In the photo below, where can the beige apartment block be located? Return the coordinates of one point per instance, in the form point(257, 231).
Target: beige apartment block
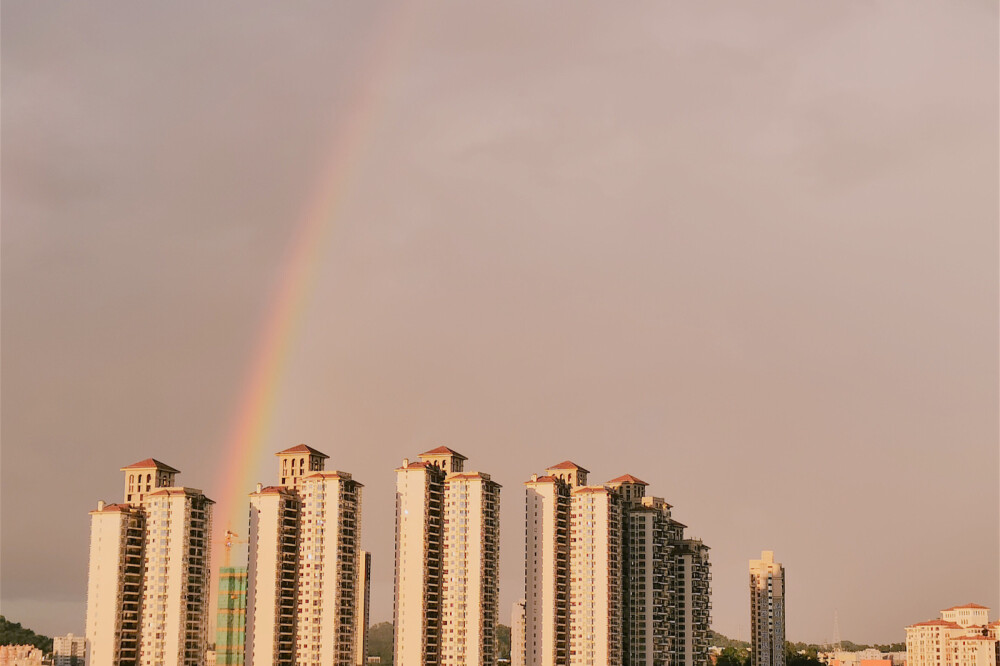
point(447, 559)
point(962, 636)
point(175, 596)
point(147, 587)
point(546, 590)
point(609, 576)
point(69, 650)
point(307, 587)
point(767, 611)
point(272, 583)
point(596, 586)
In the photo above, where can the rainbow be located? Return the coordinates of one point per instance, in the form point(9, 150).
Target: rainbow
point(251, 424)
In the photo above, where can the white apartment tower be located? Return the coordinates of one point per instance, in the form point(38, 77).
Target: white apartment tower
point(147, 588)
point(447, 563)
point(307, 577)
point(606, 576)
point(546, 572)
point(767, 611)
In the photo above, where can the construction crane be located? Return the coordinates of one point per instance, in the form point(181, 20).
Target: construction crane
point(229, 541)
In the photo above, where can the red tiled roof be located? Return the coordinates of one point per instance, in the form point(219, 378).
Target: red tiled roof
point(115, 507)
point(168, 492)
point(416, 465)
point(443, 451)
point(937, 623)
point(151, 463)
point(628, 478)
point(568, 464)
point(302, 448)
point(542, 479)
point(272, 490)
point(968, 606)
point(335, 474)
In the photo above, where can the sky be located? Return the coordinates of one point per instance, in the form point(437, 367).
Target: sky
point(746, 252)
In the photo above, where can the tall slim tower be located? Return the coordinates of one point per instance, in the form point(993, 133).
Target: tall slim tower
point(307, 575)
point(447, 562)
point(147, 589)
point(596, 591)
point(767, 611)
point(546, 572)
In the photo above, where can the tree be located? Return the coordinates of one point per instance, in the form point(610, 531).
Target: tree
point(12, 633)
point(503, 641)
point(733, 656)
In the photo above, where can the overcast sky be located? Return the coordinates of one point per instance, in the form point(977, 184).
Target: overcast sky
point(745, 251)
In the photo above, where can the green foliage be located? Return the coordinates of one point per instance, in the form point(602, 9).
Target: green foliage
point(794, 655)
point(890, 647)
point(12, 633)
point(503, 641)
point(380, 641)
point(734, 656)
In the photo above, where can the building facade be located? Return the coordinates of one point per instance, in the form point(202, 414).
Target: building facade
point(307, 577)
point(447, 563)
point(20, 655)
point(231, 616)
point(69, 650)
point(609, 577)
point(517, 633)
point(147, 587)
point(961, 636)
point(767, 611)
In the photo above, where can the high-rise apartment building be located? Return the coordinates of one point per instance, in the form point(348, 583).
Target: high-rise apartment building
point(767, 611)
point(596, 589)
point(447, 563)
point(307, 577)
point(607, 576)
point(962, 636)
point(69, 650)
point(147, 588)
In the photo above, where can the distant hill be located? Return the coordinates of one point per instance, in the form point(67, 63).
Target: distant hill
point(12, 633)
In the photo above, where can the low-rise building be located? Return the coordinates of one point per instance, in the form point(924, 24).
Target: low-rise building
point(69, 650)
point(962, 636)
point(20, 655)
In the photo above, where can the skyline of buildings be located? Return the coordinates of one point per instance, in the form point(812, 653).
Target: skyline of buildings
point(609, 577)
point(767, 611)
point(147, 589)
point(608, 571)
